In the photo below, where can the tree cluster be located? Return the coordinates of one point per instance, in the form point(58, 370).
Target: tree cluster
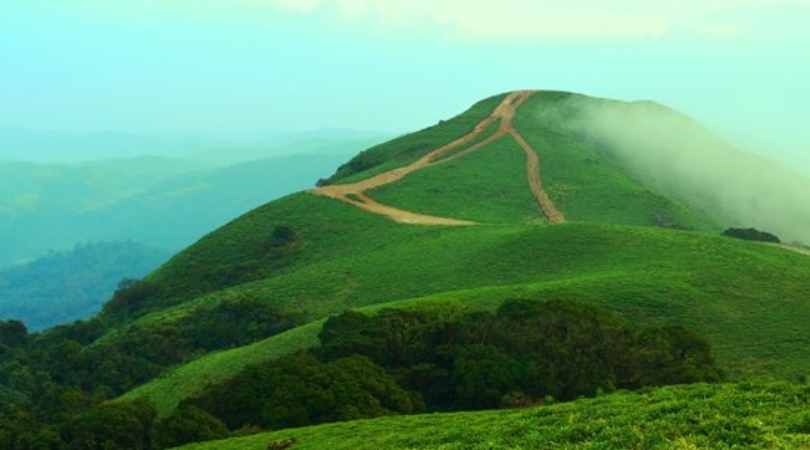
point(752, 234)
point(400, 362)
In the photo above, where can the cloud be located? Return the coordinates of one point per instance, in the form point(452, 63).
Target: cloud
point(568, 19)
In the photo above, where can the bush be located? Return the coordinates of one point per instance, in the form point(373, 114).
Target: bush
point(13, 333)
point(300, 390)
point(752, 234)
point(187, 425)
point(118, 426)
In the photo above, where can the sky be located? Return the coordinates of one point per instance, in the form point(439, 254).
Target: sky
point(225, 68)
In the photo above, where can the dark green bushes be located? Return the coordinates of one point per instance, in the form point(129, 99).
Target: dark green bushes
point(752, 234)
point(399, 362)
point(187, 425)
point(300, 390)
point(112, 426)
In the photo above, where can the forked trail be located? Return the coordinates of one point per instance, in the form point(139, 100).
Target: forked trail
point(355, 193)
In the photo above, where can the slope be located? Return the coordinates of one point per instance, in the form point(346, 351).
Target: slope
point(745, 415)
point(307, 256)
point(721, 288)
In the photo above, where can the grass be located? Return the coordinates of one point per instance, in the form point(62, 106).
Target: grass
point(716, 417)
point(586, 182)
point(750, 300)
point(410, 147)
point(486, 186)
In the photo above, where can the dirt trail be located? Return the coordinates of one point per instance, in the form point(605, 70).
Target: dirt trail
point(354, 193)
point(553, 215)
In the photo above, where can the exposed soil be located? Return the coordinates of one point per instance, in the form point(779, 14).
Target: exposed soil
point(354, 193)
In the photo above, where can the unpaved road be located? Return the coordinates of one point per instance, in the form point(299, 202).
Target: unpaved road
point(551, 212)
point(354, 193)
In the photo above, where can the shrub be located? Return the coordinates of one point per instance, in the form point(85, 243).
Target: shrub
point(13, 333)
point(187, 425)
point(751, 234)
point(118, 426)
point(300, 390)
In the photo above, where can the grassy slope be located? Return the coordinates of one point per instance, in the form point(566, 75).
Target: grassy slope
point(487, 186)
point(410, 147)
point(699, 416)
point(198, 270)
point(747, 298)
point(720, 287)
point(585, 182)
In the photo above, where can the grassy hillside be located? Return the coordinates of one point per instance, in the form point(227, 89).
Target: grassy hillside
point(648, 275)
point(488, 186)
point(745, 415)
point(405, 149)
point(343, 257)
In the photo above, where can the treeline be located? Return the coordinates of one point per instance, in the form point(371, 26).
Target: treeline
point(400, 362)
point(46, 379)
point(395, 362)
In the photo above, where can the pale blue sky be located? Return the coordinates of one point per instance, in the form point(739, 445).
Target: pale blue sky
point(231, 67)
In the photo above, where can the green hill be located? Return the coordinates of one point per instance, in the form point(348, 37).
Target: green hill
point(343, 257)
point(528, 195)
point(745, 415)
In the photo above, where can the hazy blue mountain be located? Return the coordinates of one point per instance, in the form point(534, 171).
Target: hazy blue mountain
point(67, 286)
point(167, 202)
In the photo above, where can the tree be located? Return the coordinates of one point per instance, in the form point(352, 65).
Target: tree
point(13, 333)
point(188, 424)
point(114, 426)
point(752, 234)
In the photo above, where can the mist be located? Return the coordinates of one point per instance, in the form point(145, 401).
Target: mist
point(738, 185)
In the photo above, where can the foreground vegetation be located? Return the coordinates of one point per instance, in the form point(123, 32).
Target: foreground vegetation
point(711, 417)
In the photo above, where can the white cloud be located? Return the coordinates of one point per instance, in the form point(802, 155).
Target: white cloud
point(537, 18)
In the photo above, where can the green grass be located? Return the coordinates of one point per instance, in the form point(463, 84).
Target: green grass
point(410, 147)
point(750, 300)
point(716, 417)
point(486, 186)
point(585, 181)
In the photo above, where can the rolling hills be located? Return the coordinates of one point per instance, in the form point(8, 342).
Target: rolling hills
point(534, 195)
point(67, 286)
point(672, 270)
point(161, 201)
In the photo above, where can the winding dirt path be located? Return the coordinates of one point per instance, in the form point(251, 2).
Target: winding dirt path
point(355, 193)
point(551, 212)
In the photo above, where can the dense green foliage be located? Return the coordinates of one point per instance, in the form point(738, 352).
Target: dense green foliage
point(300, 390)
point(697, 417)
point(751, 234)
point(108, 426)
point(525, 353)
point(67, 286)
